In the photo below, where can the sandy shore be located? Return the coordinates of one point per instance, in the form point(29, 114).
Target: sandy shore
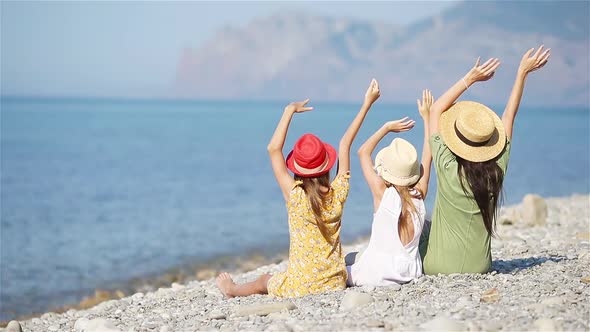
point(540, 281)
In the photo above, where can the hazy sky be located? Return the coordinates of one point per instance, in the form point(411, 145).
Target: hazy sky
point(131, 48)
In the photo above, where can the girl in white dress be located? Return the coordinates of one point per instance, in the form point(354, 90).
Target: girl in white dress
point(399, 185)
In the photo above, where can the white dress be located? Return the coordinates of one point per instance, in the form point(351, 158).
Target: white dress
point(386, 260)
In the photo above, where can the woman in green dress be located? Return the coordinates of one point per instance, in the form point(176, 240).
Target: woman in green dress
point(470, 148)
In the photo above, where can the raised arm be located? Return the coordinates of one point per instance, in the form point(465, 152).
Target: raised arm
point(527, 65)
point(424, 109)
point(375, 182)
point(275, 147)
point(371, 96)
point(478, 73)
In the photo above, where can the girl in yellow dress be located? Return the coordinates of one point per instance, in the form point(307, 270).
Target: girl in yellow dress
point(314, 206)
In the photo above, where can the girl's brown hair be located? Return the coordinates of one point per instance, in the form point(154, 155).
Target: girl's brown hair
point(312, 186)
point(405, 226)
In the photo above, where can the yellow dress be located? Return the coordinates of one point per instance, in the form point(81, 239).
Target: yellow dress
point(315, 265)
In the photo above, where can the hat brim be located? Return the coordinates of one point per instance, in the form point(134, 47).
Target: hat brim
point(494, 146)
point(332, 157)
point(398, 181)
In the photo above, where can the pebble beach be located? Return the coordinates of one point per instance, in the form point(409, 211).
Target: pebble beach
point(540, 280)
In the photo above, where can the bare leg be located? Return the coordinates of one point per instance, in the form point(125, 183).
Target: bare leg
point(230, 289)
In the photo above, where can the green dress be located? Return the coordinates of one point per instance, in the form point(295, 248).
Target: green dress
point(458, 241)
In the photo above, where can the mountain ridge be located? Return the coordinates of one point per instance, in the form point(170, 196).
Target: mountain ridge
point(293, 54)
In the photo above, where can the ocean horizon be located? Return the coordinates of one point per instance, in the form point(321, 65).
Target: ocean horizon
point(98, 192)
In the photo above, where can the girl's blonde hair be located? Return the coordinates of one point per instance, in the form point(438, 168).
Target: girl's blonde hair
point(312, 186)
point(405, 226)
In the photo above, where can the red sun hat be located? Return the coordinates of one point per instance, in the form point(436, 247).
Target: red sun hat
point(311, 157)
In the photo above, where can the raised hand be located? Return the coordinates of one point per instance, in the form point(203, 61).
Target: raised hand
point(530, 63)
point(373, 92)
point(482, 72)
point(298, 106)
point(400, 125)
point(424, 106)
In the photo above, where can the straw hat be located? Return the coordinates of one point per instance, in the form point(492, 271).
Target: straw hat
point(473, 131)
point(398, 163)
point(311, 157)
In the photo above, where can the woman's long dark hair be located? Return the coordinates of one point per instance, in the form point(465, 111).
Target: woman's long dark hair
point(485, 180)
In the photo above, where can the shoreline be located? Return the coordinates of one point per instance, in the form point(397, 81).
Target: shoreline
point(178, 274)
point(511, 231)
point(181, 274)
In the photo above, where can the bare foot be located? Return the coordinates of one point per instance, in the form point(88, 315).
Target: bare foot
point(225, 284)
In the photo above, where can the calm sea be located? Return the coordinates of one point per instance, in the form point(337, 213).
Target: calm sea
point(98, 192)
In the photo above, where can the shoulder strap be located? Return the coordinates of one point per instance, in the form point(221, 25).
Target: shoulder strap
point(297, 184)
point(391, 201)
